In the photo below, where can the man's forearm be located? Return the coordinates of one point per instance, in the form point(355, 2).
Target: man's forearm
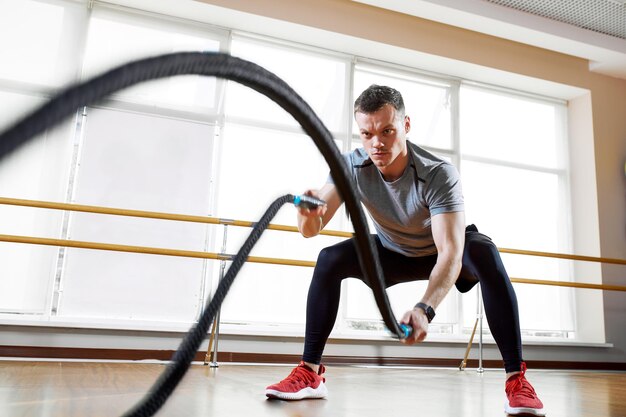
point(442, 278)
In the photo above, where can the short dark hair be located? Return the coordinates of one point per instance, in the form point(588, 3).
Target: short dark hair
point(376, 96)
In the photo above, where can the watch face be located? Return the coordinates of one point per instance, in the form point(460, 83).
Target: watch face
point(430, 313)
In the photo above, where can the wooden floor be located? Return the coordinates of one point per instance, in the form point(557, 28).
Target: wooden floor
point(32, 388)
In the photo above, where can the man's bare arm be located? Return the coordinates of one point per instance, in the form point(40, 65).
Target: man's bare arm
point(449, 235)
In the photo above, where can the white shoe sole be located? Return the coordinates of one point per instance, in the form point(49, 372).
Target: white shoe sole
point(523, 411)
point(320, 392)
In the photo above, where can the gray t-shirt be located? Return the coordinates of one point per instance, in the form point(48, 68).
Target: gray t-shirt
point(402, 209)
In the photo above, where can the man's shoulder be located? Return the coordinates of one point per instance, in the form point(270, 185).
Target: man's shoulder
point(425, 162)
point(358, 158)
point(422, 155)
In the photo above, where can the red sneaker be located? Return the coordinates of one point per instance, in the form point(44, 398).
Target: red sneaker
point(521, 396)
point(301, 383)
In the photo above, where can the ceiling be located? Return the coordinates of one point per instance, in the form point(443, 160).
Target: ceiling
point(590, 29)
point(602, 16)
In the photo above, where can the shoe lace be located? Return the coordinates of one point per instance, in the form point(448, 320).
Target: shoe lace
point(521, 387)
point(300, 376)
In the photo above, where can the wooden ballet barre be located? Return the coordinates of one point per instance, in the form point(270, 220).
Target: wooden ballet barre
point(241, 223)
point(568, 284)
point(146, 250)
point(563, 256)
point(152, 215)
point(228, 257)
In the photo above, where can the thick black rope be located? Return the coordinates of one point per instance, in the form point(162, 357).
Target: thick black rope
point(250, 75)
point(172, 375)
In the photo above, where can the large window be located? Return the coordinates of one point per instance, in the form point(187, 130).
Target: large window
point(514, 170)
point(148, 147)
point(264, 155)
point(34, 63)
point(116, 37)
point(507, 167)
point(198, 145)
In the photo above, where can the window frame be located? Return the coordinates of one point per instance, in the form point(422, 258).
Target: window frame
point(344, 135)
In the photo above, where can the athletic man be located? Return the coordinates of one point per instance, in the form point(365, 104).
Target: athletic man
point(416, 203)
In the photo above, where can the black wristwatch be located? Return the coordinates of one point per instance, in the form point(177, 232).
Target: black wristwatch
point(430, 313)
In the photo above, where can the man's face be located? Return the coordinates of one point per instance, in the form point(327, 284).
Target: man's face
point(383, 134)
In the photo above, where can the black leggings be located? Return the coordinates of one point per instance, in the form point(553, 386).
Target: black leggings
point(481, 262)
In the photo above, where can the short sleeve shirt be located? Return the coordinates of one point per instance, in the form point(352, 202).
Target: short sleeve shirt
point(401, 210)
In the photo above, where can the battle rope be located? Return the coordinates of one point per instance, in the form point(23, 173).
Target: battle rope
point(259, 79)
point(169, 379)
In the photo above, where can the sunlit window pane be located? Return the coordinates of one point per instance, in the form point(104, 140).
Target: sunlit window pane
point(14, 106)
point(427, 105)
point(115, 39)
point(34, 41)
point(272, 294)
point(144, 162)
point(514, 129)
point(259, 165)
point(524, 209)
point(519, 208)
point(256, 167)
point(37, 170)
point(319, 80)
